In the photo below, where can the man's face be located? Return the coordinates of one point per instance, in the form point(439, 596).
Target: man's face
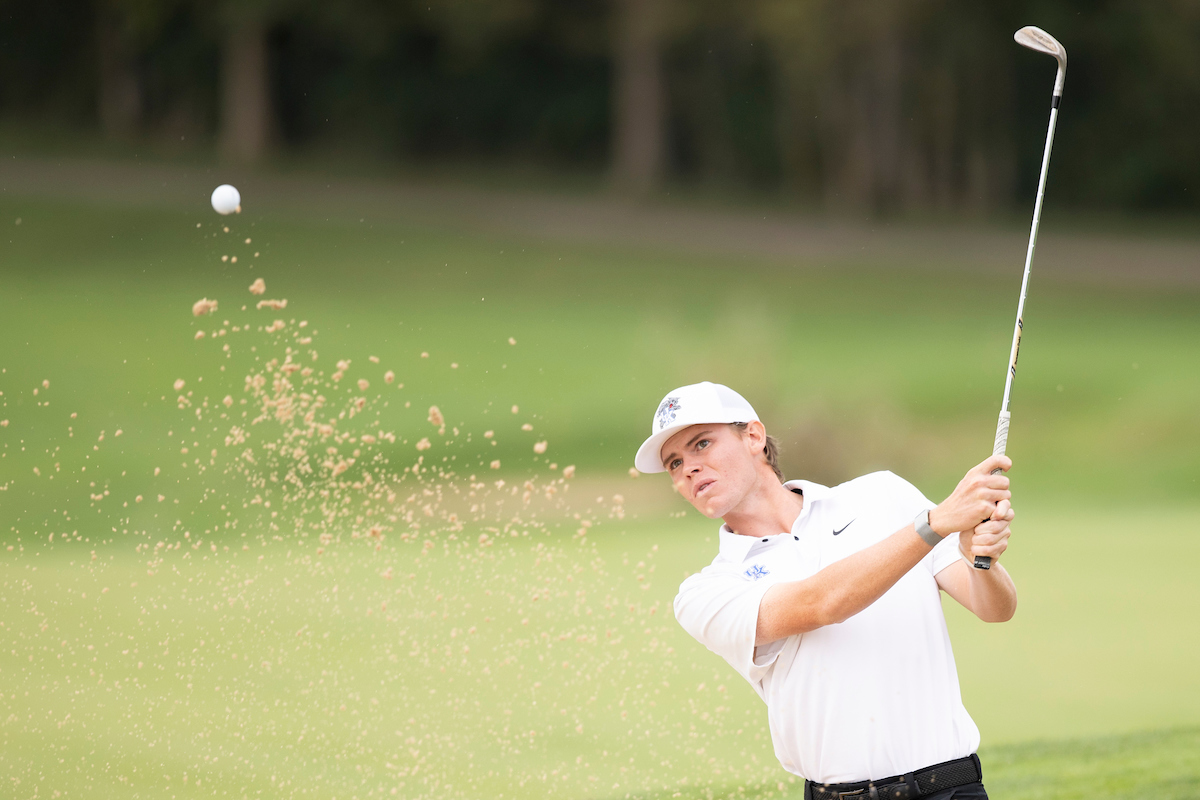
point(713, 466)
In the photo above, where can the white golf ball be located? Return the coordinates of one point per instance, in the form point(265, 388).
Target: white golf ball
point(225, 199)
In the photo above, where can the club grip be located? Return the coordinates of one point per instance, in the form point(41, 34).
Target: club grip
point(984, 562)
point(1001, 443)
point(998, 448)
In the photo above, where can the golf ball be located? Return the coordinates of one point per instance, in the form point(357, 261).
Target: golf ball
point(226, 200)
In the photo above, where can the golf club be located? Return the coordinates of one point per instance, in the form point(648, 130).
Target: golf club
point(1034, 39)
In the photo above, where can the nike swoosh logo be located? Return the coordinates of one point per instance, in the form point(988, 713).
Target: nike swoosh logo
point(847, 525)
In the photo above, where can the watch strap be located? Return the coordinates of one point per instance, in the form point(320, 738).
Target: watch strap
point(921, 523)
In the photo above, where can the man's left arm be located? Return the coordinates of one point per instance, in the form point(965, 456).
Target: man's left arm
point(987, 593)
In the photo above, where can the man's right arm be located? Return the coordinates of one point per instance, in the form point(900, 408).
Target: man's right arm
point(846, 587)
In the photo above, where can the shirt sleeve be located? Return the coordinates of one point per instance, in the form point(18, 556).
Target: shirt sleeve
point(720, 610)
point(944, 553)
point(913, 500)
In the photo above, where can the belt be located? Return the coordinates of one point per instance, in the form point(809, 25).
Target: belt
point(911, 786)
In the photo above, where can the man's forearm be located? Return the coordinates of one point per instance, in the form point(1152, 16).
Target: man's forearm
point(840, 590)
point(991, 594)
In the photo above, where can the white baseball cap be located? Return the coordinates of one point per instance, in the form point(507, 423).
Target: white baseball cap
point(696, 404)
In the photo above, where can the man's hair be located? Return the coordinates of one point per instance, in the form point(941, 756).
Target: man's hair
point(770, 450)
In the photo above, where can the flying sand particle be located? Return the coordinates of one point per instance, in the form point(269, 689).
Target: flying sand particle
point(569, 472)
point(179, 384)
point(389, 376)
point(539, 447)
point(496, 464)
point(203, 306)
point(363, 385)
point(424, 444)
point(199, 335)
point(435, 416)
point(258, 287)
point(274, 305)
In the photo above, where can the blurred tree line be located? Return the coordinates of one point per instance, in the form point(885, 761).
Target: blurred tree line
point(862, 105)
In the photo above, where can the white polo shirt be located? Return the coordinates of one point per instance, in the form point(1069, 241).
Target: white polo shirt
point(868, 698)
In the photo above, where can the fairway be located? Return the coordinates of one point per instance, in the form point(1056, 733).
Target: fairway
point(541, 659)
point(278, 672)
point(858, 365)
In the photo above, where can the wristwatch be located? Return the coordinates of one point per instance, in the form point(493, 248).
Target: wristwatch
point(921, 523)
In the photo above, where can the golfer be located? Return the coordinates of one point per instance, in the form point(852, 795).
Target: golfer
point(827, 600)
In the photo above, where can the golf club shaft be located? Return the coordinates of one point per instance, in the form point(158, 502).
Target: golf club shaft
point(1001, 442)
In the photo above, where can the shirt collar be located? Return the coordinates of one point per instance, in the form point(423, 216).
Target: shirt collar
point(735, 547)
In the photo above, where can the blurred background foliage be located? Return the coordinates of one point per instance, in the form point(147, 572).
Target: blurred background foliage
point(905, 107)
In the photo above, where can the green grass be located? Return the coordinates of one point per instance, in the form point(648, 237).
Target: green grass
point(273, 670)
point(855, 365)
point(247, 661)
point(1163, 763)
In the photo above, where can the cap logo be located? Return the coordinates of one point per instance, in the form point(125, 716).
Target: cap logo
point(666, 412)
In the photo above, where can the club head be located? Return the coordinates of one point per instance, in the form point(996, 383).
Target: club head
point(1037, 39)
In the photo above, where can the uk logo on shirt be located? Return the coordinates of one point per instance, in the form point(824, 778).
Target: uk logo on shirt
point(757, 571)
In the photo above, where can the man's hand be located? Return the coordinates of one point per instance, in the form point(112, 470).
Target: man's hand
point(990, 537)
point(974, 499)
point(989, 594)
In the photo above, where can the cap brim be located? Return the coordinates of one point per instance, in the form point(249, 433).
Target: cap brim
point(649, 455)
